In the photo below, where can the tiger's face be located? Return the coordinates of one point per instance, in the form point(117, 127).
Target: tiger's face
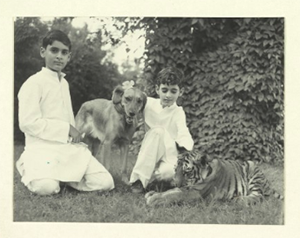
point(192, 168)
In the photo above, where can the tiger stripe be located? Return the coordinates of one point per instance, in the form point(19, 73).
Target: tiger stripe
point(222, 179)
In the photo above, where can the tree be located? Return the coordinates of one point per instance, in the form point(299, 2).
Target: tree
point(88, 77)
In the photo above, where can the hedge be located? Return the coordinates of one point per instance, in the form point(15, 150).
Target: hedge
point(234, 91)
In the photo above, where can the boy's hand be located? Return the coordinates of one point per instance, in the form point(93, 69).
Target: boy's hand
point(75, 135)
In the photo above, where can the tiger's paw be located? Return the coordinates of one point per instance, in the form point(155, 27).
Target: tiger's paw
point(149, 194)
point(248, 201)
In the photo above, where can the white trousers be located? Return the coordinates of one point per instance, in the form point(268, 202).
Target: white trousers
point(101, 181)
point(157, 157)
point(90, 182)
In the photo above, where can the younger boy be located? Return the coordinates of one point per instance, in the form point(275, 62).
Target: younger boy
point(166, 129)
point(46, 117)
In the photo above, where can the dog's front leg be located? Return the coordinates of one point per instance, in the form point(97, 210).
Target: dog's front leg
point(124, 155)
point(106, 154)
point(95, 147)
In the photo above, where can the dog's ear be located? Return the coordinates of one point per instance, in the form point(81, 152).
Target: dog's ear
point(117, 94)
point(144, 98)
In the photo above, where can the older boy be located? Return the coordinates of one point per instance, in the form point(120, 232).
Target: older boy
point(46, 117)
point(166, 125)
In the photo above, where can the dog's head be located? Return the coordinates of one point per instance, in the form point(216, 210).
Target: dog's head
point(132, 100)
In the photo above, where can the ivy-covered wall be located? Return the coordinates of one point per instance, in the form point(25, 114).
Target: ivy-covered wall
point(234, 92)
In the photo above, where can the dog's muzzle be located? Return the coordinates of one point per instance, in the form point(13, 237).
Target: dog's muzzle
point(129, 120)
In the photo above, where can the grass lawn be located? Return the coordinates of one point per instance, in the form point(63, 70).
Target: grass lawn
point(121, 206)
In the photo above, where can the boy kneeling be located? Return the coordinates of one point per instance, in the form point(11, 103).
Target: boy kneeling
point(46, 117)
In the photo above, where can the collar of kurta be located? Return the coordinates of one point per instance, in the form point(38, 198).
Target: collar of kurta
point(53, 73)
point(174, 105)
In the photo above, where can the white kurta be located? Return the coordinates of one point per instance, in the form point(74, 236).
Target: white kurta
point(45, 115)
point(166, 126)
point(171, 118)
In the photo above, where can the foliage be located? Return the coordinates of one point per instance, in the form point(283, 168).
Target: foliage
point(234, 81)
point(88, 77)
point(27, 60)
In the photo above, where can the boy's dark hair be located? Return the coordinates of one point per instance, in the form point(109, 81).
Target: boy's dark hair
point(170, 76)
point(56, 35)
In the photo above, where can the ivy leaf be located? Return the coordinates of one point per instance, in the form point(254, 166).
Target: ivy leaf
point(247, 20)
point(194, 21)
point(236, 84)
point(201, 21)
point(258, 35)
point(239, 88)
point(260, 97)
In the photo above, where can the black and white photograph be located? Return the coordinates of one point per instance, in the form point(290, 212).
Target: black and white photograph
point(191, 116)
point(151, 122)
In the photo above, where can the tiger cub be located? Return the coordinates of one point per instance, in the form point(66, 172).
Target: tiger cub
point(197, 177)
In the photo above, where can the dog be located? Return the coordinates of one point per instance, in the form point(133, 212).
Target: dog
point(106, 122)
